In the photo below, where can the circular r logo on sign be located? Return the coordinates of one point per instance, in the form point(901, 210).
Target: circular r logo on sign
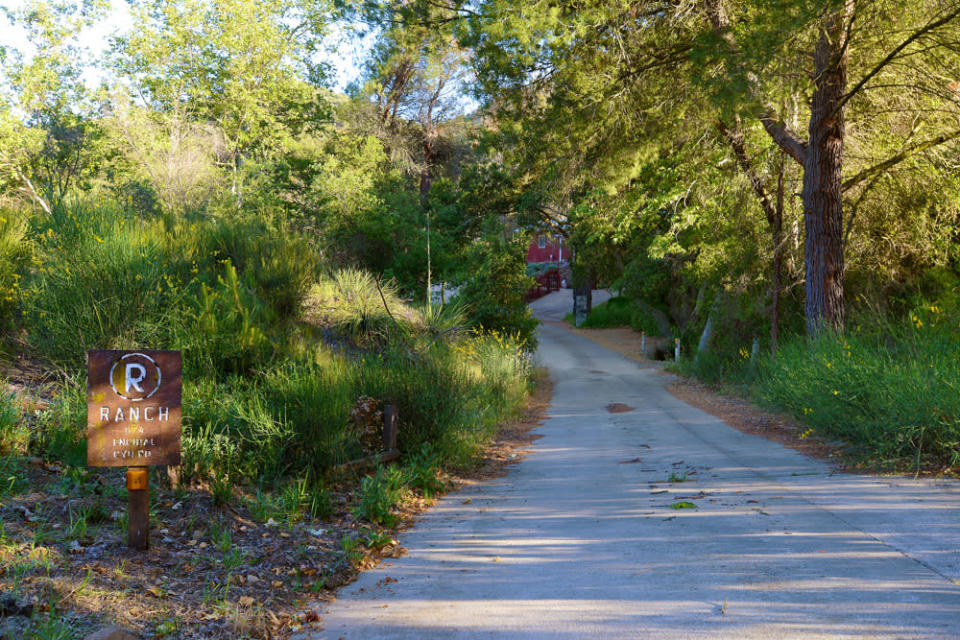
point(135, 376)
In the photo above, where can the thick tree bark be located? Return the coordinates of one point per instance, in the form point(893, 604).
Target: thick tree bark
point(823, 183)
point(821, 157)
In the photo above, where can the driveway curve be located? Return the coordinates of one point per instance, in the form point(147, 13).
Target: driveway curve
point(663, 522)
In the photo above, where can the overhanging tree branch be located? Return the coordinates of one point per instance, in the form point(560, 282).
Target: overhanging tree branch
point(930, 26)
point(906, 153)
point(784, 137)
point(735, 138)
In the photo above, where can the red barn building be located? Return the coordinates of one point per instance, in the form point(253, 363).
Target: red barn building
point(547, 248)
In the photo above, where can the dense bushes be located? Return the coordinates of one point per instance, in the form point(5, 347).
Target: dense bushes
point(270, 378)
point(295, 420)
point(887, 389)
point(890, 391)
point(496, 288)
point(218, 289)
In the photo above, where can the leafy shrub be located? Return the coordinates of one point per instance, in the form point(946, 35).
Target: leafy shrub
point(615, 312)
point(646, 278)
point(640, 320)
point(379, 494)
point(422, 472)
point(620, 311)
point(495, 293)
point(889, 391)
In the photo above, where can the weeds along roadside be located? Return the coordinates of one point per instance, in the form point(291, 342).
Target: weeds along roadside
point(270, 390)
point(886, 389)
point(619, 311)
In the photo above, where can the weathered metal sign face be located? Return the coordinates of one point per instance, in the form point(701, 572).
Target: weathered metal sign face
point(133, 408)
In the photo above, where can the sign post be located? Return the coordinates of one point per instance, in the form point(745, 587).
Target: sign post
point(579, 310)
point(133, 420)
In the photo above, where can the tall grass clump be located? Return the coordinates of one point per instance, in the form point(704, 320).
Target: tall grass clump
point(312, 398)
point(103, 289)
point(60, 432)
point(453, 394)
point(221, 290)
point(356, 305)
point(295, 419)
point(15, 253)
point(892, 391)
point(14, 437)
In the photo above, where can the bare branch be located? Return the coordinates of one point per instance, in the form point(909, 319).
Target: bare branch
point(893, 54)
point(735, 138)
point(904, 154)
point(784, 137)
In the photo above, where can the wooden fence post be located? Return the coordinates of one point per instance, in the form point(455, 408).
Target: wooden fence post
point(390, 427)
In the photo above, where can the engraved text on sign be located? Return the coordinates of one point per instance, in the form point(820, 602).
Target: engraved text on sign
point(133, 408)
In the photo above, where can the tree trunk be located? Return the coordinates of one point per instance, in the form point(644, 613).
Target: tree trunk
point(777, 256)
point(822, 183)
point(425, 180)
point(821, 157)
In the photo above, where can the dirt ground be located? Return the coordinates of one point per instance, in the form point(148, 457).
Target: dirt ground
point(245, 569)
point(622, 340)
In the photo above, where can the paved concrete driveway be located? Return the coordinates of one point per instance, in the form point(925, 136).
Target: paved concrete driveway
point(553, 306)
point(582, 540)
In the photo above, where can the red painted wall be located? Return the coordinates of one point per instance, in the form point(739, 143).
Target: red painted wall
point(550, 252)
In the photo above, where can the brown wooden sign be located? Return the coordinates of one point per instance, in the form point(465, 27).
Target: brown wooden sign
point(133, 408)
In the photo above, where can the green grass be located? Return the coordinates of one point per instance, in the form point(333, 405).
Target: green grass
point(619, 311)
point(295, 419)
point(892, 393)
point(221, 290)
point(275, 357)
point(890, 390)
